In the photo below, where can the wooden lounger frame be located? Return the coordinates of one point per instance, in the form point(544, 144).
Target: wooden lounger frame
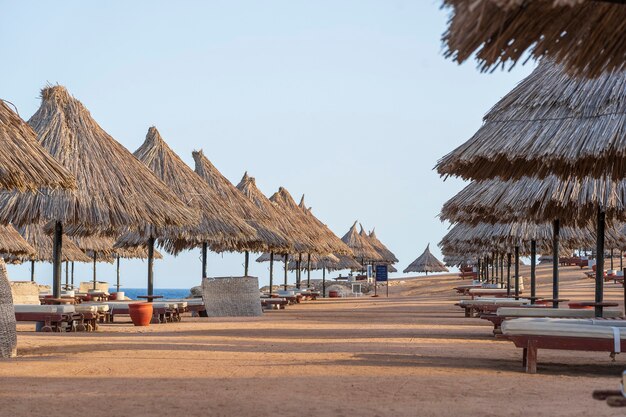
point(532, 343)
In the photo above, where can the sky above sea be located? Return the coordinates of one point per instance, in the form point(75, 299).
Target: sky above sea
point(350, 103)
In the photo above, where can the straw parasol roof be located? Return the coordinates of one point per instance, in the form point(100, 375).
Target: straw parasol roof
point(328, 235)
point(25, 164)
point(297, 241)
point(268, 236)
point(572, 201)
point(114, 190)
point(360, 246)
point(426, 262)
point(12, 243)
point(586, 36)
point(322, 242)
point(219, 227)
point(317, 262)
point(481, 239)
point(550, 123)
point(106, 250)
point(386, 255)
point(345, 262)
point(42, 243)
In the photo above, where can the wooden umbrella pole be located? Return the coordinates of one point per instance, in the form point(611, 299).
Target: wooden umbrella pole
point(533, 270)
point(204, 259)
point(94, 269)
point(494, 268)
point(324, 282)
point(600, 261)
point(150, 266)
point(286, 258)
point(67, 275)
point(517, 272)
point(72, 273)
point(556, 238)
point(117, 283)
point(480, 277)
point(246, 264)
point(32, 270)
point(57, 247)
point(271, 272)
point(308, 271)
point(502, 270)
point(621, 260)
point(299, 283)
point(508, 275)
point(487, 269)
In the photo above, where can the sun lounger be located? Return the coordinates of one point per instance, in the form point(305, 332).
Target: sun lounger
point(595, 335)
point(491, 292)
point(274, 303)
point(504, 313)
point(54, 318)
point(488, 304)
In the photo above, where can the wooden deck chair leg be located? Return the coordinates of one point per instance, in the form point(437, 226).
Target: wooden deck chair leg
point(531, 357)
point(524, 357)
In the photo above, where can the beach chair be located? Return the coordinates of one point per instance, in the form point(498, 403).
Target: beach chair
point(505, 313)
point(592, 335)
point(274, 303)
point(483, 305)
point(52, 318)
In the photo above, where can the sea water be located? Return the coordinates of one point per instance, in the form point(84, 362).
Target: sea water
point(167, 293)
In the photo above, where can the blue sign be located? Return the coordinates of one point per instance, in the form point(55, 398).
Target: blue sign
point(381, 273)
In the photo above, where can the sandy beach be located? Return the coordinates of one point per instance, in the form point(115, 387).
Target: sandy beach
point(411, 354)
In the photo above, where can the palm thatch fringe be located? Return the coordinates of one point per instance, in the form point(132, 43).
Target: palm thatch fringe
point(268, 236)
point(297, 241)
point(219, 227)
point(25, 164)
point(42, 244)
point(318, 262)
point(324, 240)
point(114, 190)
point(361, 247)
point(385, 254)
point(587, 37)
point(572, 201)
point(331, 239)
point(426, 263)
point(550, 123)
point(13, 244)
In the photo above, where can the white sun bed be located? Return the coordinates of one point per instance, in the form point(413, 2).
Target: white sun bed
point(531, 334)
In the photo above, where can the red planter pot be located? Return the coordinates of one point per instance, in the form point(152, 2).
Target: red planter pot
point(140, 313)
point(333, 294)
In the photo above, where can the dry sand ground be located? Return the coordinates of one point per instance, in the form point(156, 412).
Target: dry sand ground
point(413, 354)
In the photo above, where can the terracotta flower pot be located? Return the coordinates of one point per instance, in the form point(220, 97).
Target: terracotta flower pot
point(140, 313)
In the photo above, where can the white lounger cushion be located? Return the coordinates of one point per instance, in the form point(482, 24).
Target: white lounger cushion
point(102, 308)
point(564, 327)
point(494, 301)
point(555, 312)
point(86, 308)
point(490, 290)
point(30, 308)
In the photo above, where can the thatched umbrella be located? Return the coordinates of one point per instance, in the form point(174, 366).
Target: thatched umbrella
point(297, 241)
point(387, 255)
point(220, 227)
point(25, 164)
point(549, 124)
point(361, 247)
point(326, 234)
point(425, 263)
point(14, 245)
point(43, 244)
point(114, 190)
point(588, 37)
point(552, 123)
point(560, 201)
point(268, 236)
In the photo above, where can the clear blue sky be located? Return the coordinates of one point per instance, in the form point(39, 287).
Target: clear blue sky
point(349, 102)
